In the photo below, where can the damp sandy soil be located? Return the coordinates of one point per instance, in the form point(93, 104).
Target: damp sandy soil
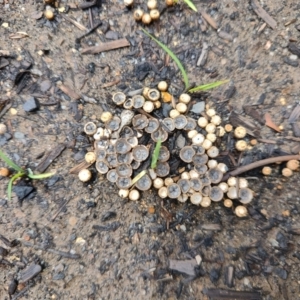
point(119, 249)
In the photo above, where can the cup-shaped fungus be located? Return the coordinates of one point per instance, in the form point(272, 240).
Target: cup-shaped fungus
point(174, 191)
point(112, 175)
point(100, 154)
point(185, 175)
point(124, 170)
point(153, 125)
point(169, 124)
point(158, 183)
point(101, 167)
point(140, 121)
point(138, 101)
point(286, 172)
point(148, 106)
point(212, 163)
point(245, 195)
point(163, 192)
point(241, 145)
point(187, 153)
point(210, 128)
point(84, 175)
point(198, 139)
point(133, 141)
point(162, 169)
point(110, 149)
point(213, 152)
point(205, 180)
point(194, 174)
point(241, 211)
point(242, 182)
point(90, 128)
point(122, 146)
point(206, 144)
point(232, 181)
point(266, 171)
point(138, 14)
point(232, 192)
point(196, 198)
point(168, 181)
point(123, 193)
point(123, 182)
point(215, 175)
point(162, 86)
point(205, 202)
point(153, 95)
point(201, 169)
point(126, 158)
point(292, 164)
point(174, 113)
point(228, 127)
point(112, 160)
point(199, 149)
point(146, 18)
point(164, 154)
point(211, 112)
point(119, 98)
point(223, 186)
point(181, 107)
point(206, 190)
point(184, 185)
point(144, 183)
point(140, 153)
point(128, 3)
point(185, 98)
point(216, 120)
point(216, 194)
point(154, 14)
point(239, 132)
point(222, 167)
point(196, 184)
point(211, 137)
point(183, 198)
point(228, 203)
point(151, 4)
point(106, 116)
point(202, 122)
point(180, 122)
point(191, 124)
point(160, 134)
point(90, 157)
point(113, 124)
point(134, 195)
point(128, 104)
point(135, 165)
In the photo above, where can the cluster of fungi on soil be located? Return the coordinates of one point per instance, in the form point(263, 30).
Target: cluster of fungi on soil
point(124, 146)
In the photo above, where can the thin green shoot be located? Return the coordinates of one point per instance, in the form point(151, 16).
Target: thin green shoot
point(20, 173)
point(172, 55)
point(205, 87)
point(155, 154)
point(191, 5)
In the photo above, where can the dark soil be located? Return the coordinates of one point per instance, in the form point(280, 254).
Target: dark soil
point(90, 243)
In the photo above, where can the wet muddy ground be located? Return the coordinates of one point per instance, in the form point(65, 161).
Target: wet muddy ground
point(82, 240)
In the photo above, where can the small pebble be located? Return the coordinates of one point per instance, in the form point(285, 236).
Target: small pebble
point(19, 135)
point(31, 105)
point(198, 107)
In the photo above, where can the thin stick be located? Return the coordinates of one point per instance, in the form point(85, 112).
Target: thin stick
point(258, 164)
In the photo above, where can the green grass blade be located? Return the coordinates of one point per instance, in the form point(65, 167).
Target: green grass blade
point(155, 154)
point(208, 86)
point(11, 181)
point(40, 176)
point(191, 5)
point(10, 163)
point(173, 56)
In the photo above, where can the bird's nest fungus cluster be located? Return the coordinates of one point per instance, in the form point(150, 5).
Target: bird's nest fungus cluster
point(135, 150)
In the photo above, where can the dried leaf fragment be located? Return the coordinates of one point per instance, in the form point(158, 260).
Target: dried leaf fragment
point(270, 123)
point(18, 35)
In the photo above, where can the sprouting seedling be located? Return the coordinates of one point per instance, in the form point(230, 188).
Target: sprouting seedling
point(205, 87)
point(20, 173)
point(172, 55)
point(155, 154)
